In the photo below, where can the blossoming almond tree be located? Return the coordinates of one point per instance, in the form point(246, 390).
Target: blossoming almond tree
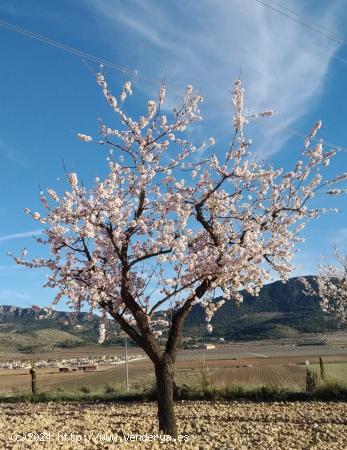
point(330, 285)
point(171, 223)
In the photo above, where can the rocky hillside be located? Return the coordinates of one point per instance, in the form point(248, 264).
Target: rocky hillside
point(35, 329)
point(281, 310)
point(10, 313)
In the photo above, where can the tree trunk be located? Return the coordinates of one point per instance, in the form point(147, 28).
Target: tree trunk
point(164, 372)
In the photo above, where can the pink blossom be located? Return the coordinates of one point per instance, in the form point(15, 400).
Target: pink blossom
point(147, 237)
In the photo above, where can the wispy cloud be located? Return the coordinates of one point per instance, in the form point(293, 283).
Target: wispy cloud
point(8, 294)
point(283, 65)
point(9, 237)
point(12, 155)
point(339, 238)
point(12, 8)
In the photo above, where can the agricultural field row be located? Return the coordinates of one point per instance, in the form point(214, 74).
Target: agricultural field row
point(288, 376)
point(220, 374)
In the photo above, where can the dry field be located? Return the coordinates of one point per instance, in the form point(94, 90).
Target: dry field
point(274, 372)
point(255, 363)
point(18, 381)
point(202, 425)
point(282, 376)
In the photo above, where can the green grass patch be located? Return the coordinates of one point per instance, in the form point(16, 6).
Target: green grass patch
point(325, 392)
point(335, 373)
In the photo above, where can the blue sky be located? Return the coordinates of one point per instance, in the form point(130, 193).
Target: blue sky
point(48, 95)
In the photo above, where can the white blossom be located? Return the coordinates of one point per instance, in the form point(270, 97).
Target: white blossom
point(84, 137)
point(165, 224)
point(73, 180)
point(330, 285)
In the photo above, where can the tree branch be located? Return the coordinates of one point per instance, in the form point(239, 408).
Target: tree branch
point(150, 255)
point(163, 300)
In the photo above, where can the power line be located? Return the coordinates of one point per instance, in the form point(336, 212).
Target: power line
point(316, 47)
point(316, 30)
point(125, 70)
point(122, 69)
point(326, 143)
point(301, 22)
point(73, 50)
point(90, 57)
point(340, 41)
point(338, 58)
point(299, 15)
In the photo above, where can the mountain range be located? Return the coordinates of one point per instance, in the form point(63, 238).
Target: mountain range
point(282, 310)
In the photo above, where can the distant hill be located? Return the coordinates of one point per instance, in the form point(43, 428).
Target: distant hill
point(281, 310)
point(35, 329)
point(9, 313)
